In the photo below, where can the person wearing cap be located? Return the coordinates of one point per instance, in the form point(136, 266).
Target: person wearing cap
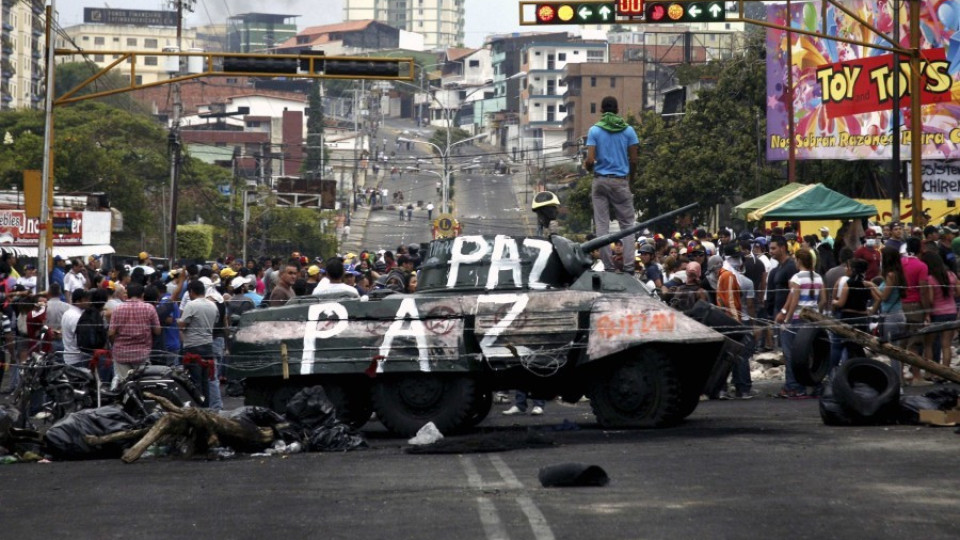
point(28, 280)
point(870, 253)
point(651, 274)
point(945, 246)
point(59, 271)
point(239, 302)
point(227, 274)
point(93, 268)
point(825, 237)
point(313, 278)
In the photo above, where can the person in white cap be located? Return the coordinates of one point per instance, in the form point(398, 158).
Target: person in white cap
point(825, 237)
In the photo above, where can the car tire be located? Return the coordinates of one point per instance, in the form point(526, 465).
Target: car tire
point(875, 374)
point(810, 355)
point(405, 402)
point(636, 392)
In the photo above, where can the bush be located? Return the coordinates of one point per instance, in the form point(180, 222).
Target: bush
point(194, 241)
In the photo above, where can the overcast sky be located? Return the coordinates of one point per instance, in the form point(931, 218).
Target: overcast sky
point(483, 17)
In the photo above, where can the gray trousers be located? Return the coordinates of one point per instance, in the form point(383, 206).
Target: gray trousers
point(607, 192)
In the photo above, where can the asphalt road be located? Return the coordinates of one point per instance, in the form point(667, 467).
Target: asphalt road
point(484, 203)
point(763, 468)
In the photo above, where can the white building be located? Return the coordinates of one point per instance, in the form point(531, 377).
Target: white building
point(93, 37)
point(440, 21)
point(543, 111)
point(22, 55)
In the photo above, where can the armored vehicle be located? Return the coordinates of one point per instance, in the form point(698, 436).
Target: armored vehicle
point(490, 313)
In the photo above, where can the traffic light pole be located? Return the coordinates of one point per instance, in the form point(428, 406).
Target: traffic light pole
point(45, 242)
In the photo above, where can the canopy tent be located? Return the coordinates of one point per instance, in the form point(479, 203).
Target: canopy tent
point(799, 202)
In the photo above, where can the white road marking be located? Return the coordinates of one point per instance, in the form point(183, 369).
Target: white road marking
point(541, 530)
point(501, 466)
point(473, 477)
point(490, 519)
point(538, 522)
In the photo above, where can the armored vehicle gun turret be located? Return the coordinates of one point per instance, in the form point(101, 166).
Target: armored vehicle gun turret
point(490, 313)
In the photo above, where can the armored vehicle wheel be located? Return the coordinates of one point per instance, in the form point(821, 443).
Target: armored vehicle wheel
point(483, 402)
point(352, 400)
point(405, 402)
point(641, 392)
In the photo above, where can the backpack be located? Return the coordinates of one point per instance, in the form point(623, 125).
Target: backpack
point(684, 297)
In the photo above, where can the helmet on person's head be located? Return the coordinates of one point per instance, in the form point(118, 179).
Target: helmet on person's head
point(648, 248)
point(544, 198)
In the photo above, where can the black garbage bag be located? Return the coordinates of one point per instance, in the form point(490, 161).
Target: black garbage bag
point(252, 419)
point(334, 436)
point(910, 407)
point(8, 419)
point(65, 439)
point(310, 407)
point(944, 398)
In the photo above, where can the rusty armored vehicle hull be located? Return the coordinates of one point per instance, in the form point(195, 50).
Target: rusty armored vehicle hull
point(491, 313)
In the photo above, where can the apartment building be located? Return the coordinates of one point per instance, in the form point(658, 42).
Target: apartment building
point(111, 31)
point(259, 32)
point(439, 21)
point(22, 54)
point(585, 87)
point(542, 96)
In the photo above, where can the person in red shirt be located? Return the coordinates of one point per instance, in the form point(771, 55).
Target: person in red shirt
point(133, 325)
point(871, 254)
point(917, 299)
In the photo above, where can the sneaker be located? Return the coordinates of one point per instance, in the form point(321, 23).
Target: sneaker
point(537, 411)
point(513, 411)
point(749, 394)
point(802, 395)
point(725, 395)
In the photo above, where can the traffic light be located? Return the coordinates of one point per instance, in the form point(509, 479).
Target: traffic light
point(333, 67)
point(364, 67)
point(676, 12)
point(260, 64)
point(575, 12)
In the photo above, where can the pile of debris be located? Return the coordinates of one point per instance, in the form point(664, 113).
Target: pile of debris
point(309, 424)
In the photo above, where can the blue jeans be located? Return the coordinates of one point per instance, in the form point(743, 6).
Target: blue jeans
point(520, 400)
point(740, 375)
point(210, 389)
point(787, 333)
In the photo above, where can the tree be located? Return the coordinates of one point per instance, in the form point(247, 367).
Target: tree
point(69, 75)
point(316, 155)
point(439, 136)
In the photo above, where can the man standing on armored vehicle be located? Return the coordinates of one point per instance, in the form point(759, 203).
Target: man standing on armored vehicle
point(612, 157)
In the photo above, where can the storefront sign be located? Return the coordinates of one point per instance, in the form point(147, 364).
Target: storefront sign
point(17, 230)
point(130, 17)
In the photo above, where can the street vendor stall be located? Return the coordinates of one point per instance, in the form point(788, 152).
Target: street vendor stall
point(802, 202)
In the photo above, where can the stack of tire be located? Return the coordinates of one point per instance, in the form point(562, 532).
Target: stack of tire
point(861, 391)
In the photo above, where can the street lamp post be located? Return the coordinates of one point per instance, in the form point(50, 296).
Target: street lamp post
point(445, 157)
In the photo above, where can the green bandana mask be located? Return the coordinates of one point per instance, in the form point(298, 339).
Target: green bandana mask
point(612, 123)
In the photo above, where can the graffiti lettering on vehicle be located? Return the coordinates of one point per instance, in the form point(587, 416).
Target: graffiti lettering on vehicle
point(636, 324)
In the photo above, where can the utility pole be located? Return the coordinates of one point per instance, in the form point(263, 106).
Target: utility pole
point(45, 245)
point(176, 147)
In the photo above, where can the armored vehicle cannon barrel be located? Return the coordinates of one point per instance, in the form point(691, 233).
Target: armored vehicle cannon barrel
point(601, 241)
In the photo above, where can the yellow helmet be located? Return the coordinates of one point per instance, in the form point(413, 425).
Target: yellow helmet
point(544, 198)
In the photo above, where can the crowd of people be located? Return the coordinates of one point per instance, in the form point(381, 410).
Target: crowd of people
point(891, 280)
point(762, 279)
point(170, 316)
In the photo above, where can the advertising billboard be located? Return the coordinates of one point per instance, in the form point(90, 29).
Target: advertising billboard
point(18, 230)
point(842, 99)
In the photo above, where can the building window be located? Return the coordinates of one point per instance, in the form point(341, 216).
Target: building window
point(593, 81)
point(613, 82)
point(116, 40)
point(150, 43)
point(85, 38)
point(576, 52)
point(131, 42)
point(98, 58)
point(139, 80)
point(593, 108)
point(595, 56)
point(561, 56)
point(99, 41)
point(474, 63)
point(561, 108)
point(149, 60)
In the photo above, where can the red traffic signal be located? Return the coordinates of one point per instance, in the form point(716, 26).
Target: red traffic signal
point(546, 13)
